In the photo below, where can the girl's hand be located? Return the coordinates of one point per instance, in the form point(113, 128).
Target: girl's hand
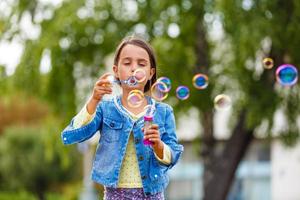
point(101, 87)
point(154, 136)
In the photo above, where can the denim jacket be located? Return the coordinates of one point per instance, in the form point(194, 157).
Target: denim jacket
point(115, 126)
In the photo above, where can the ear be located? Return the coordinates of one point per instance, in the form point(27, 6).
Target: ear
point(115, 69)
point(152, 72)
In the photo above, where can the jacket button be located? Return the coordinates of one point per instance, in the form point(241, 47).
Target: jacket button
point(144, 177)
point(112, 124)
point(137, 140)
point(141, 158)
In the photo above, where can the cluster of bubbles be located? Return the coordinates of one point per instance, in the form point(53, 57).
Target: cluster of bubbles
point(135, 97)
point(161, 88)
point(286, 74)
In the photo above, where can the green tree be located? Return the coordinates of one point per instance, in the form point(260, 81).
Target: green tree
point(254, 30)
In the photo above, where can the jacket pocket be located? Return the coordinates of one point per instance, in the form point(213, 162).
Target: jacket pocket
point(111, 130)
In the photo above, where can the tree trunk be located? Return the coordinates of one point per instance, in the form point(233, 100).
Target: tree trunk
point(40, 188)
point(219, 170)
point(223, 167)
point(41, 195)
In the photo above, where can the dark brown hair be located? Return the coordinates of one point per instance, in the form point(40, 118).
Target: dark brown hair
point(133, 40)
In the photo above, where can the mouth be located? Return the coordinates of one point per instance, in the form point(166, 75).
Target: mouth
point(131, 81)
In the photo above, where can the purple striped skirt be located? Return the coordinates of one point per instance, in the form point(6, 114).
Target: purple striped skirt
point(129, 194)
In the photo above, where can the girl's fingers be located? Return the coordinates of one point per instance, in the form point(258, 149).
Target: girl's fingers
point(154, 140)
point(102, 92)
point(104, 76)
point(102, 82)
point(151, 131)
point(154, 126)
point(152, 134)
point(103, 88)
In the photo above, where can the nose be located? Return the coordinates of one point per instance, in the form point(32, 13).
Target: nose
point(133, 67)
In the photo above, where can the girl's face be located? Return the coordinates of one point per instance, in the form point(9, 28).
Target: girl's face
point(132, 58)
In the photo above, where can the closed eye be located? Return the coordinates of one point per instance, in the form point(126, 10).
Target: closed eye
point(143, 64)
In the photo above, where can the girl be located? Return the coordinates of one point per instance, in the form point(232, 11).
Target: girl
point(126, 167)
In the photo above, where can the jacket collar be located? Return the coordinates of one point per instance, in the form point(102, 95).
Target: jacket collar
point(123, 111)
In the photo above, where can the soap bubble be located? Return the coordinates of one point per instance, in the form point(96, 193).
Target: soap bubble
point(167, 82)
point(200, 81)
point(149, 110)
point(131, 81)
point(140, 75)
point(135, 98)
point(111, 78)
point(287, 75)
point(222, 102)
point(268, 63)
point(182, 92)
point(158, 91)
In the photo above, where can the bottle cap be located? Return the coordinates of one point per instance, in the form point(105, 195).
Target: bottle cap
point(148, 118)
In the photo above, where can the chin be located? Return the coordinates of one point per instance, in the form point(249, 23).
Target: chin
point(136, 87)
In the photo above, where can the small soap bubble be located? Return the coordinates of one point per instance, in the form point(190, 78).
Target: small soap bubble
point(135, 98)
point(131, 81)
point(182, 92)
point(140, 75)
point(167, 82)
point(268, 63)
point(222, 102)
point(149, 110)
point(111, 78)
point(200, 81)
point(287, 75)
point(158, 91)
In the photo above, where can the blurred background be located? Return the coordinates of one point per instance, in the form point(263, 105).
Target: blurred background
point(52, 52)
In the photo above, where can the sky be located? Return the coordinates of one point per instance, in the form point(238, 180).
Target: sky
point(11, 52)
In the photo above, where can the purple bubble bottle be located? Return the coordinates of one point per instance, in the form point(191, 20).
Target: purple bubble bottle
point(147, 123)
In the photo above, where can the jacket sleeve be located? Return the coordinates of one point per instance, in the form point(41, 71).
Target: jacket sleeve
point(170, 138)
point(83, 118)
point(166, 160)
point(72, 135)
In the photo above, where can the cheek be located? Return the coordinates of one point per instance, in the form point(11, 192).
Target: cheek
point(123, 70)
point(145, 75)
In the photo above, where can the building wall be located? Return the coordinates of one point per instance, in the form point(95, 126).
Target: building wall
point(285, 182)
point(252, 179)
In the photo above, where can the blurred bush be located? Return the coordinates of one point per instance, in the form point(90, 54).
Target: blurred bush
point(32, 156)
point(23, 195)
